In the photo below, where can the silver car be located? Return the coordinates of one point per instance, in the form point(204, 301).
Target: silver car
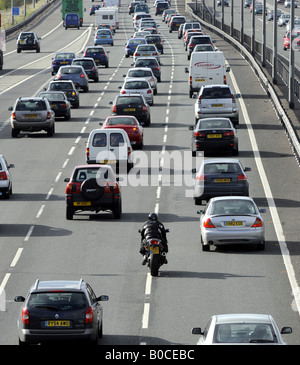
point(217, 101)
point(231, 220)
point(283, 19)
point(32, 114)
point(243, 329)
point(5, 178)
point(138, 85)
point(145, 73)
point(146, 50)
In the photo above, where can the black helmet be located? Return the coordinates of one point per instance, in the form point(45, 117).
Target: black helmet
point(152, 216)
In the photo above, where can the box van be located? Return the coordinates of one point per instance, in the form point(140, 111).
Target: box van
point(109, 146)
point(72, 21)
point(206, 68)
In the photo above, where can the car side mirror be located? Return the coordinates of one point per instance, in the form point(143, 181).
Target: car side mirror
point(197, 331)
point(262, 211)
point(200, 211)
point(186, 70)
point(67, 179)
point(103, 298)
point(227, 69)
point(10, 108)
point(237, 96)
point(194, 96)
point(10, 166)
point(19, 299)
point(191, 127)
point(194, 171)
point(247, 169)
point(286, 330)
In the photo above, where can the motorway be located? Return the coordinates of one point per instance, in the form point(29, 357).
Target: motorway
point(36, 240)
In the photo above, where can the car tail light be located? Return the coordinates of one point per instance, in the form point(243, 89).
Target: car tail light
point(227, 134)
point(63, 105)
point(191, 45)
point(3, 175)
point(13, 116)
point(72, 188)
point(58, 76)
point(25, 316)
point(233, 98)
point(191, 80)
point(242, 177)
point(208, 224)
point(149, 91)
point(199, 134)
point(136, 54)
point(199, 98)
point(201, 178)
point(89, 314)
point(82, 76)
point(114, 109)
point(122, 92)
point(258, 223)
point(155, 54)
point(87, 152)
point(84, 54)
point(48, 115)
point(144, 108)
point(225, 80)
point(154, 242)
point(156, 68)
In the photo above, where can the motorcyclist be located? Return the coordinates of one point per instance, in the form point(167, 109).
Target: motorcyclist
point(153, 228)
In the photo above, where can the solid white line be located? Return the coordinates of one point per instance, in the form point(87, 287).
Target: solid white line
point(145, 320)
point(272, 206)
point(16, 258)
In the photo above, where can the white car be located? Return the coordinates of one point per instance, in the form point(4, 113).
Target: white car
point(243, 329)
point(138, 85)
point(146, 50)
point(287, 4)
point(143, 72)
point(231, 220)
point(283, 19)
point(296, 24)
point(5, 178)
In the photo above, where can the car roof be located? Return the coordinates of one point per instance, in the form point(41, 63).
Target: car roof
point(221, 160)
point(242, 317)
point(235, 197)
point(57, 284)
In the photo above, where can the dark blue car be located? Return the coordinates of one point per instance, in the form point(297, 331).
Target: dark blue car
point(61, 59)
point(72, 21)
point(98, 53)
point(132, 44)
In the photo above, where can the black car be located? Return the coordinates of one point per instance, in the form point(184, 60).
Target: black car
point(68, 87)
point(89, 66)
point(150, 62)
point(60, 310)
point(93, 188)
point(175, 23)
point(132, 104)
point(59, 103)
point(214, 134)
point(161, 6)
point(98, 53)
point(132, 6)
point(28, 41)
point(156, 40)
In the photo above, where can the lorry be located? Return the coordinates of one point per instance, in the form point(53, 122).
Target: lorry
point(206, 68)
point(72, 7)
point(108, 16)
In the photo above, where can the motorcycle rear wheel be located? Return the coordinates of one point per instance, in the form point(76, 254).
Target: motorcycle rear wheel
point(154, 264)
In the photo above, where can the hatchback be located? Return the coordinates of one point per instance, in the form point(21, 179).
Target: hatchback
point(156, 40)
point(161, 7)
point(166, 12)
point(89, 66)
point(145, 73)
point(93, 188)
point(152, 63)
point(175, 23)
point(214, 134)
point(59, 103)
point(76, 74)
point(103, 36)
point(190, 25)
point(130, 124)
point(28, 41)
point(217, 101)
point(241, 328)
point(68, 88)
point(220, 177)
point(61, 59)
point(138, 85)
point(131, 45)
point(146, 50)
point(60, 310)
point(146, 23)
point(99, 54)
point(132, 104)
point(5, 178)
point(132, 6)
point(231, 220)
point(32, 114)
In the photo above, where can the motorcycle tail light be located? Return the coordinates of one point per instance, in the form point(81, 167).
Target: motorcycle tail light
point(154, 242)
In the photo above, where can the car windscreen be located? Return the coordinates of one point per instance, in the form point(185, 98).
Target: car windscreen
point(102, 174)
point(132, 100)
point(217, 93)
point(57, 301)
point(120, 120)
point(70, 70)
point(53, 96)
point(232, 207)
point(31, 105)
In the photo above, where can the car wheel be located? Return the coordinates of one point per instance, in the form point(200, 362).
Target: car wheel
point(18, 50)
point(159, 79)
point(38, 50)
point(50, 131)
point(261, 246)
point(106, 65)
point(117, 211)
point(205, 248)
point(15, 132)
point(67, 116)
point(96, 79)
point(86, 89)
point(235, 151)
point(69, 213)
point(155, 91)
point(76, 105)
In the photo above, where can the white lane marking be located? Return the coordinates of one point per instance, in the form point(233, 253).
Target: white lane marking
point(145, 320)
point(29, 233)
point(271, 203)
point(40, 211)
point(17, 256)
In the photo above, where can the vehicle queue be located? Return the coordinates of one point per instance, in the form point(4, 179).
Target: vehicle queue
point(240, 226)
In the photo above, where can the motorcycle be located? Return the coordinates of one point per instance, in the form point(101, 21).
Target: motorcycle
point(155, 255)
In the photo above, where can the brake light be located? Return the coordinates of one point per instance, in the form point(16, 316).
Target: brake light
point(89, 314)
point(225, 80)
point(25, 316)
point(58, 76)
point(114, 109)
point(71, 188)
point(199, 98)
point(241, 177)
point(154, 242)
point(155, 54)
point(48, 115)
point(3, 175)
point(233, 98)
point(136, 54)
point(156, 68)
point(201, 178)
point(227, 134)
point(82, 76)
point(149, 91)
point(191, 45)
point(64, 105)
point(13, 115)
point(199, 134)
point(144, 108)
point(87, 152)
point(122, 92)
point(258, 223)
point(208, 224)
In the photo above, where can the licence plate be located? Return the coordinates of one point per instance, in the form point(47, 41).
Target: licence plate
point(199, 80)
point(108, 161)
point(147, 55)
point(57, 323)
point(221, 180)
point(217, 105)
point(154, 250)
point(81, 204)
point(53, 105)
point(129, 109)
point(214, 136)
point(103, 37)
point(233, 223)
point(63, 62)
point(31, 116)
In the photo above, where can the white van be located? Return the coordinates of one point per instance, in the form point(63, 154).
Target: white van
point(206, 68)
point(110, 146)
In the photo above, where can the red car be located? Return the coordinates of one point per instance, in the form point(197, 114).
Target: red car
point(130, 124)
point(287, 40)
